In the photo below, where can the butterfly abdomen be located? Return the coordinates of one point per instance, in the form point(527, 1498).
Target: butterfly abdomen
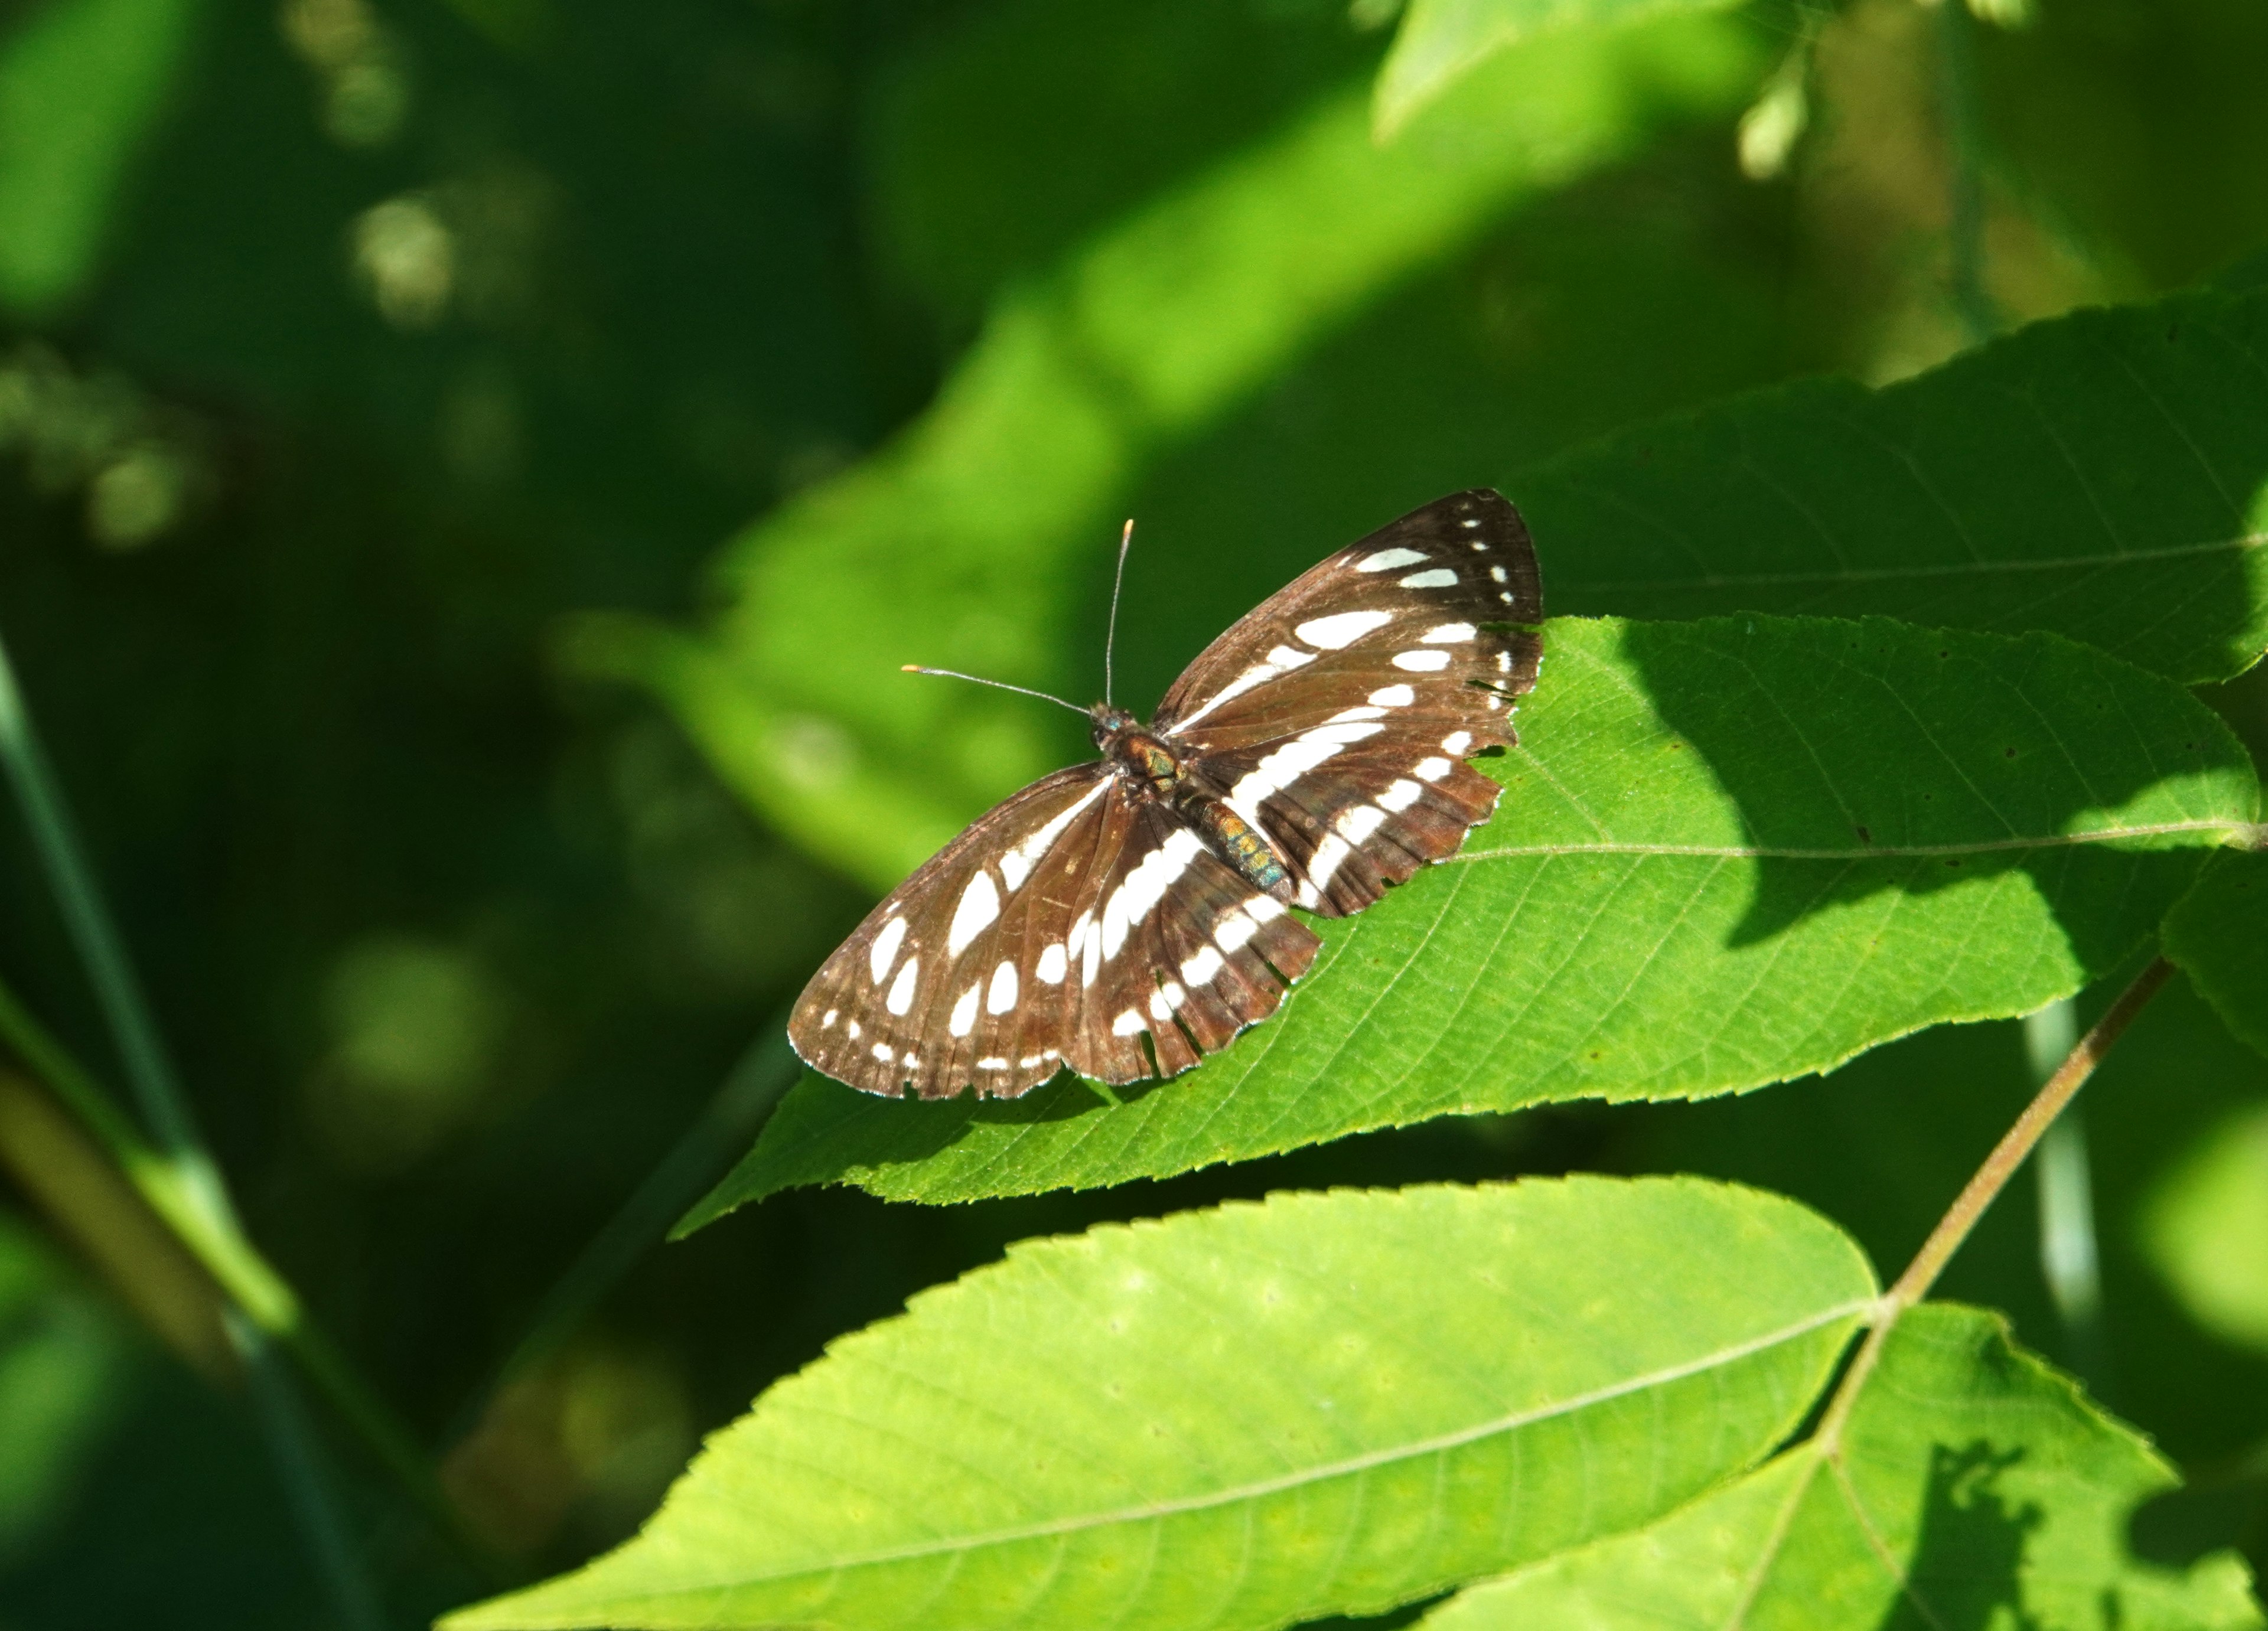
point(1235, 841)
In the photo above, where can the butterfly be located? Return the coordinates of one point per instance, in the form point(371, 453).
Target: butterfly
point(1128, 915)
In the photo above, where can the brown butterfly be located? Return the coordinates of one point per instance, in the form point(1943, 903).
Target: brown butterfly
point(1127, 916)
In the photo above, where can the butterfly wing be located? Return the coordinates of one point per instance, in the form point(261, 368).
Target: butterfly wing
point(1336, 716)
point(1036, 937)
point(915, 998)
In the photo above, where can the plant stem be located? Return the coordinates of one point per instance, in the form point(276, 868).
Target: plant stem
point(1982, 1190)
point(250, 1282)
point(178, 1178)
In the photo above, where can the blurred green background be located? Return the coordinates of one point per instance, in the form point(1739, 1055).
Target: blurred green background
point(469, 470)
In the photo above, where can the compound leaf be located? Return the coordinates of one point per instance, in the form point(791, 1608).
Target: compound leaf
point(1322, 1403)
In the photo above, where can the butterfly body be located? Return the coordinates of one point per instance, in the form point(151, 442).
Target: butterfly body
point(1151, 763)
point(1128, 915)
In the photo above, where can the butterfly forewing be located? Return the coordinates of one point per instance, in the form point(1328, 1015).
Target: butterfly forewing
point(1336, 716)
point(1086, 921)
point(917, 995)
point(1076, 923)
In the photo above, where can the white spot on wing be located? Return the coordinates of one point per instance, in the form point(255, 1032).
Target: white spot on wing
point(1437, 577)
point(1431, 769)
point(1326, 859)
point(1347, 715)
point(1233, 930)
point(980, 904)
point(1170, 997)
point(1386, 559)
point(901, 989)
point(1422, 661)
point(1497, 572)
point(1401, 796)
point(1264, 909)
point(1200, 969)
point(1341, 734)
point(885, 948)
point(852, 1027)
point(1356, 824)
point(1447, 633)
point(1016, 865)
point(1053, 965)
point(1392, 696)
point(1002, 996)
point(1277, 771)
point(1340, 628)
point(1456, 742)
point(994, 1063)
point(964, 1012)
point(1087, 945)
point(1127, 1024)
point(1280, 660)
point(828, 1024)
point(883, 1052)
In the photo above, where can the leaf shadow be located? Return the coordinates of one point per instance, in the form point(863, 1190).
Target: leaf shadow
point(1913, 760)
point(1966, 1570)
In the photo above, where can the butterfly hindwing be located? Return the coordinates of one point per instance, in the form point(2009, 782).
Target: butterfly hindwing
point(1179, 947)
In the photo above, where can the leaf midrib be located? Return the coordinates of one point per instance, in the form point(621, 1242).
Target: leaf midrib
point(1260, 1489)
point(2241, 835)
point(1955, 568)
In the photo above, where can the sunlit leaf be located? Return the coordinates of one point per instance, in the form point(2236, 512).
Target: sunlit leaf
point(2218, 935)
point(1238, 1418)
point(2206, 1230)
point(1729, 852)
point(1977, 1488)
point(81, 82)
point(957, 545)
point(1441, 41)
point(2103, 476)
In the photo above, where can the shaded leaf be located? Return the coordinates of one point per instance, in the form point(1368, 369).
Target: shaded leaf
point(1728, 853)
point(1998, 1494)
point(955, 544)
point(2103, 476)
point(1242, 1417)
point(1441, 41)
point(2218, 935)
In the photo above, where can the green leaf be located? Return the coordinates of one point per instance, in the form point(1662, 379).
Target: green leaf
point(1441, 41)
point(81, 82)
point(1242, 1417)
point(62, 1364)
point(2103, 476)
point(2206, 1227)
point(1998, 1494)
point(2218, 935)
point(1728, 853)
point(958, 544)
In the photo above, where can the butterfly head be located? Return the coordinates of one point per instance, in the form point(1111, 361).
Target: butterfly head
point(1110, 724)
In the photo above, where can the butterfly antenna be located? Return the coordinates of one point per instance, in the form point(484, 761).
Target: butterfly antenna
point(1110, 637)
point(1001, 685)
